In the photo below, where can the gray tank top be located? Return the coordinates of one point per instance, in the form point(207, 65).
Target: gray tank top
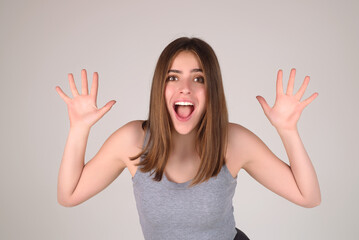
point(169, 210)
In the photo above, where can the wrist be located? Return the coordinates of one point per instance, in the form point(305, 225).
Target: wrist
point(287, 131)
point(80, 129)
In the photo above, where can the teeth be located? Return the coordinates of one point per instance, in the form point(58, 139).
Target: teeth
point(184, 103)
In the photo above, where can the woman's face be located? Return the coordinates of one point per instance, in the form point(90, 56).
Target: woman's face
point(185, 92)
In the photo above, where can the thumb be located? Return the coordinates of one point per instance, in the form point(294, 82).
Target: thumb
point(107, 107)
point(263, 104)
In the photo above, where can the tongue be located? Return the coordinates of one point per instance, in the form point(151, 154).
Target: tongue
point(184, 111)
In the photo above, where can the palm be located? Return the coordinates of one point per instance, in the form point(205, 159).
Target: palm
point(82, 108)
point(287, 107)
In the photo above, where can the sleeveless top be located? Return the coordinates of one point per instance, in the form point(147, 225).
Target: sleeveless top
point(169, 210)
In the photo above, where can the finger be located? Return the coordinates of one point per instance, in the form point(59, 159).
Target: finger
point(280, 82)
point(62, 94)
point(264, 104)
point(310, 99)
point(302, 88)
point(94, 86)
point(106, 108)
point(84, 87)
point(291, 82)
point(73, 85)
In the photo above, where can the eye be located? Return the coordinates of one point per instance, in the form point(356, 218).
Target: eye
point(199, 79)
point(172, 78)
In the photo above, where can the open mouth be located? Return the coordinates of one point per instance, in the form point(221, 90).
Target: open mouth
point(183, 110)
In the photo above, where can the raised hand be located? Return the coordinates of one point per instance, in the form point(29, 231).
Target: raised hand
point(83, 111)
point(287, 108)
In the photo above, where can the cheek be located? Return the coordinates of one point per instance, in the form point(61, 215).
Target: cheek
point(204, 99)
point(202, 95)
point(168, 95)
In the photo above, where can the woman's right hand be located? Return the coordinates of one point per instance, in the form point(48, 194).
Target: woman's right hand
point(83, 111)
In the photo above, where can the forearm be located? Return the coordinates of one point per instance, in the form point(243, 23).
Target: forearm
point(301, 166)
point(72, 162)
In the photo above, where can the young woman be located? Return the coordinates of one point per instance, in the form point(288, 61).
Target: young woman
point(185, 158)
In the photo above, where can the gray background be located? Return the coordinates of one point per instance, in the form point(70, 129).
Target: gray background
point(42, 41)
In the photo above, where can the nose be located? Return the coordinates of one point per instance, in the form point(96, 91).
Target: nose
point(185, 87)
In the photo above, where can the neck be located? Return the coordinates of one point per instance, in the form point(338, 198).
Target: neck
point(183, 147)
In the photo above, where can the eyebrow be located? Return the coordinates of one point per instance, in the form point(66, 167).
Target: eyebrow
point(178, 71)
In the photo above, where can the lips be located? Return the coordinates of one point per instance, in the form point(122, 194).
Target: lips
point(183, 109)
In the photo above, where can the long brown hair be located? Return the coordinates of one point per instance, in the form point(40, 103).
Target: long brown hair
point(211, 137)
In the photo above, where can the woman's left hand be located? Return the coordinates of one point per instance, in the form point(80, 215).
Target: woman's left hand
point(287, 108)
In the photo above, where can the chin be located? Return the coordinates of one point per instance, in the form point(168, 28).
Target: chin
point(186, 128)
point(183, 130)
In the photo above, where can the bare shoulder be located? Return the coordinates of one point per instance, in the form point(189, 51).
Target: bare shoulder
point(239, 134)
point(129, 139)
point(241, 142)
point(131, 132)
point(236, 131)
